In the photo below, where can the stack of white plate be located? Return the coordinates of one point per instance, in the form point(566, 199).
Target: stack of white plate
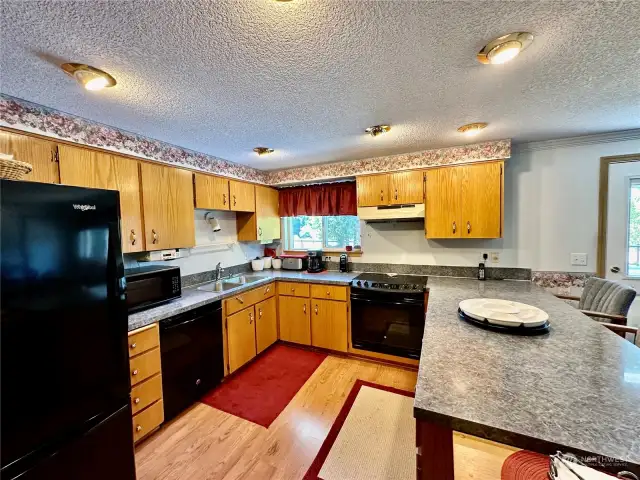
point(504, 312)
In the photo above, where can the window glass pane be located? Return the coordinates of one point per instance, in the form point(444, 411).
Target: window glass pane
point(306, 233)
point(633, 253)
point(342, 231)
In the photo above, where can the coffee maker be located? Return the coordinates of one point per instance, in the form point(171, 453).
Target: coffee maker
point(315, 261)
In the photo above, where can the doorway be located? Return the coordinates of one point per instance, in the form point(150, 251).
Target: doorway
point(619, 225)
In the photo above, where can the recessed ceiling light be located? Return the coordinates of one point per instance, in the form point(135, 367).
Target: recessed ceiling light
point(504, 48)
point(377, 130)
point(263, 150)
point(89, 77)
point(472, 129)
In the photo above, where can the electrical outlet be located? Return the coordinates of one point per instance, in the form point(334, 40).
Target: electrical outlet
point(579, 259)
point(495, 257)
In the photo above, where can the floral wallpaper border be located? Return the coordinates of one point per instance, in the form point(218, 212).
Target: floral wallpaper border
point(23, 115)
point(477, 152)
point(31, 117)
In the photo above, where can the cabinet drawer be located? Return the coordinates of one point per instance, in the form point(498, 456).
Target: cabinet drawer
point(329, 292)
point(246, 299)
point(145, 393)
point(147, 420)
point(145, 365)
point(143, 339)
point(293, 289)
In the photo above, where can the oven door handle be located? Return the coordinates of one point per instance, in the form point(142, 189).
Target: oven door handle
point(171, 326)
point(382, 302)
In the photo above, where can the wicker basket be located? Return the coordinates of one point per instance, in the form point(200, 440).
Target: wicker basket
point(13, 169)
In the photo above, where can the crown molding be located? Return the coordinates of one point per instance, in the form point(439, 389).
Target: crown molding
point(609, 137)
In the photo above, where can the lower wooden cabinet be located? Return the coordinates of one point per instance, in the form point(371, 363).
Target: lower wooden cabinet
point(148, 420)
point(241, 338)
point(329, 324)
point(294, 316)
point(266, 324)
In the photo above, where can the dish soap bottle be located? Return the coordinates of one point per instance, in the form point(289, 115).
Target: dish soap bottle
point(481, 270)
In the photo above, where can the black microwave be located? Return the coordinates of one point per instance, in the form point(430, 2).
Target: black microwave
point(151, 285)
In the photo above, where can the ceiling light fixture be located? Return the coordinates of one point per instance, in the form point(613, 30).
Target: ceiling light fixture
point(504, 48)
point(377, 130)
point(472, 129)
point(89, 77)
point(263, 150)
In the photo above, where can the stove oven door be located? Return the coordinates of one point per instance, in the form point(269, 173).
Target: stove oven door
point(390, 323)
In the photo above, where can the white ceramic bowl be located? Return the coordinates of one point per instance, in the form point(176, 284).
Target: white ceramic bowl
point(276, 263)
point(257, 265)
point(267, 262)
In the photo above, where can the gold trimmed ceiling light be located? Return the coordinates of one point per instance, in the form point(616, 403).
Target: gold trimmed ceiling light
point(376, 130)
point(263, 150)
point(472, 129)
point(504, 48)
point(89, 77)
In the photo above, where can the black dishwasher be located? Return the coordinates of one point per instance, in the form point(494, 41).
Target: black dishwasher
point(192, 358)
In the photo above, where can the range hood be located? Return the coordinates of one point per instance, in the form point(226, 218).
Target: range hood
point(392, 213)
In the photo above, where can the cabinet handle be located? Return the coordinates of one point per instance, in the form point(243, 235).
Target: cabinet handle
point(240, 300)
point(468, 227)
point(136, 400)
point(133, 345)
point(250, 318)
point(135, 372)
point(259, 231)
point(454, 227)
point(316, 309)
point(304, 308)
point(328, 292)
point(155, 236)
point(224, 198)
point(133, 237)
point(267, 290)
point(293, 290)
point(234, 200)
point(259, 313)
point(381, 195)
point(396, 197)
point(138, 428)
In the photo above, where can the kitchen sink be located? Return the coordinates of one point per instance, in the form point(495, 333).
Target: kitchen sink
point(219, 286)
point(244, 279)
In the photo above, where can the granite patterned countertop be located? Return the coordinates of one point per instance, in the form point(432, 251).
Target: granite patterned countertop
point(576, 388)
point(194, 298)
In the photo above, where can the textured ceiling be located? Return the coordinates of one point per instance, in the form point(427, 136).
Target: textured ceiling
point(306, 77)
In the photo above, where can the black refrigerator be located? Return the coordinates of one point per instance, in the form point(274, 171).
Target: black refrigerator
point(64, 385)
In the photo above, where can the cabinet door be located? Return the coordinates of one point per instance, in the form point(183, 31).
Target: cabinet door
point(242, 196)
point(167, 200)
point(41, 154)
point(373, 190)
point(266, 324)
point(329, 324)
point(481, 200)
point(87, 168)
point(406, 187)
point(212, 193)
point(241, 338)
point(267, 215)
point(442, 203)
point(294, 320)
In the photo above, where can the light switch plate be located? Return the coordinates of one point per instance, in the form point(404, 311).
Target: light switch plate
point(579, 259)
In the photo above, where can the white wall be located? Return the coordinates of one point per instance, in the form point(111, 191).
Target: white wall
point(551, 211)
point(204, 259)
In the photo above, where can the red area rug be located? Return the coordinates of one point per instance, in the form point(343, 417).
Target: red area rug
point(323, 453)
point(262, 389)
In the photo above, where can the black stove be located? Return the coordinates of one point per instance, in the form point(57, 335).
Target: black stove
point(393, 282)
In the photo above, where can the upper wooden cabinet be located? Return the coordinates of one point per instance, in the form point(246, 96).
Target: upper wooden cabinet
point(167, 199)
point(406, 187)
point(263, 225)
point(465, 201)
point(87, 168)
point(242, 196)
point(212, 193)
point(41, 154)
point(399, 188)
point(373, 190)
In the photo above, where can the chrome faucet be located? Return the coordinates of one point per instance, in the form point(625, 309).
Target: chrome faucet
point(218, 271)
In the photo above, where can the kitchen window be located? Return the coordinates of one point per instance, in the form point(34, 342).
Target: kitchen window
point(321, 233)
point(633, 230)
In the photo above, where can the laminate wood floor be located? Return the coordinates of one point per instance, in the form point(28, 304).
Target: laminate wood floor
point(205, 443)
